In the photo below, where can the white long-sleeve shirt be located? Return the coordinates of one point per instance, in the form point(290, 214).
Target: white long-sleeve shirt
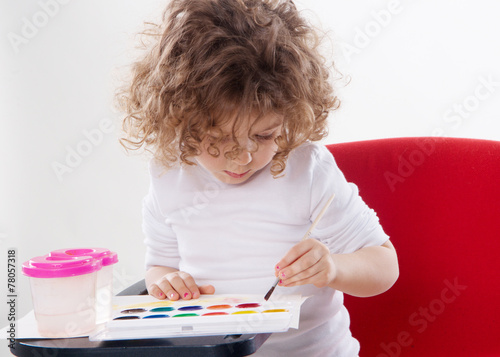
point(232, 236)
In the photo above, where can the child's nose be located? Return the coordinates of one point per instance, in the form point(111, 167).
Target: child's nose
point(244, 153)
point(244, 157)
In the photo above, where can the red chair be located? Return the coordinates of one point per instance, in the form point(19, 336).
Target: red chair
point(439, 201)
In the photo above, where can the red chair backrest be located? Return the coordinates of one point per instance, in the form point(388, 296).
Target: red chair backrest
point(439, 201)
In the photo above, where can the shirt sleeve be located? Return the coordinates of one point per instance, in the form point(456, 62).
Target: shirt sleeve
point(349, 224)
point(160, 239)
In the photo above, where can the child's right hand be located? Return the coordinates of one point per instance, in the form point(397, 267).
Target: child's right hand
point(176, 285)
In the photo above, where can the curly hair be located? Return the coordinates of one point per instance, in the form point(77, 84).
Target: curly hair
point(212, 61)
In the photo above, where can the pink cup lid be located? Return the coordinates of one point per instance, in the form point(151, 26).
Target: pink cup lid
point(47, 266)
point(106, 256)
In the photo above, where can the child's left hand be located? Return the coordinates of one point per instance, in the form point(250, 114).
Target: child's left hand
point(308, 262)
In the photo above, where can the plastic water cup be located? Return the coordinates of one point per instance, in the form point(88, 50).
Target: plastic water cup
point(63, 292)
point(104, 287)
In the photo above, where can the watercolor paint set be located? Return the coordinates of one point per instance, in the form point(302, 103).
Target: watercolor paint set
point(138, 317)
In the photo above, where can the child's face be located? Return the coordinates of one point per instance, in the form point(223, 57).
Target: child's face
point(250, 159)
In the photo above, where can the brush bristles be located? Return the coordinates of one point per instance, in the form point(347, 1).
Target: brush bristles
point(268, 295)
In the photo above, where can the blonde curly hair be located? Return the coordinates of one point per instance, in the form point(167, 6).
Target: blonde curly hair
point(212, 61)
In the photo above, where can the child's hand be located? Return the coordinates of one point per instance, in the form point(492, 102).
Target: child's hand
point(178, 284)
point(308, 262)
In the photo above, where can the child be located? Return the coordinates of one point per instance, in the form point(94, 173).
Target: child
point(230, 100)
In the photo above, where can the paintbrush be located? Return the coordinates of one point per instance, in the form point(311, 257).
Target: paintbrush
point(308, 233)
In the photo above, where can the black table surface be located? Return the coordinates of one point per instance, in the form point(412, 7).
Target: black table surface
point(203, 346)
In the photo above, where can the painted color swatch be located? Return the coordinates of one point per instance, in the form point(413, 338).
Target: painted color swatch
point(159, 316)
point(190, 308)
point(274, 310)
point(126, 318)
point(247, 305)
point(133, 311)
point(218, 313)
point(186, 315)
point(162, 309)
point(219, 307)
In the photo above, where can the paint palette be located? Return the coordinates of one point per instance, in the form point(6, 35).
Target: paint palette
point(136, 317)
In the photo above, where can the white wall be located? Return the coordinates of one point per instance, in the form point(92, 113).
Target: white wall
point(417, 68)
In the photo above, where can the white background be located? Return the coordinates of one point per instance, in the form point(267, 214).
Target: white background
point(416, 68)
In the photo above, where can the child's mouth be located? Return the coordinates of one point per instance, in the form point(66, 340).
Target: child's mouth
point(235, 175)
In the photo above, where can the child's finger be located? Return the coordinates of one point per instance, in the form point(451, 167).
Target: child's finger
point(206, 289)
point(314, 265)
point(304, 275)
point(309, 277)
point(168, 289)
point(291, 257)
point(192, 291)
point(180, 283)
point(162, 289)
point(303, 266)
point(154, 290)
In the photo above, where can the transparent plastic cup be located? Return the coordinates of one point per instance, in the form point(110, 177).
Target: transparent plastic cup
point(63, 292)
point(104, 285)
